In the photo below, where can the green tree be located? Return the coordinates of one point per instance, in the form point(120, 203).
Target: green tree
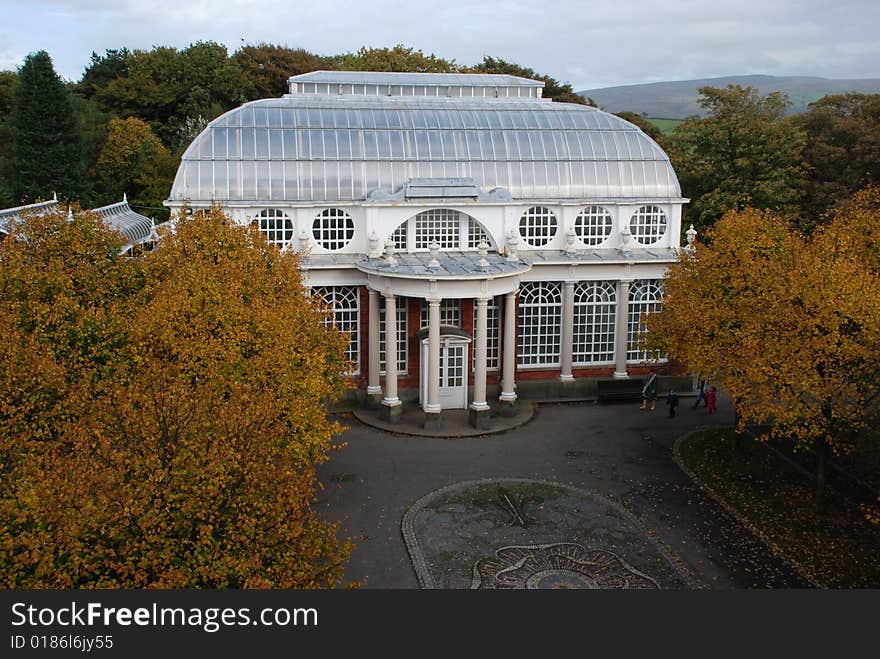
point(8, 80)
point(134, 161)
point(554, 89)
point(176, 92)
point(842, 151)
point(745, 152)
point(102, 69)
point(400, 58)
point(162, 416)
point(92, 127)
point(268, 67)
point(45, 135)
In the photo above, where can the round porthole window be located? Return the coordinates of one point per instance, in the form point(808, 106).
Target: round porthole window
point(333, 229)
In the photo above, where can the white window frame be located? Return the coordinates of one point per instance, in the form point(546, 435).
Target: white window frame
point(450, 313)
point(268, 219)
point(595, 323)
point(333, 229)
point(493, 335)
point(539, 335)
point(645, 297)
point(648, 225)
point(465, 233)
point(538, 226)
point(402, 337)
point(344, 304)
point(593, 225)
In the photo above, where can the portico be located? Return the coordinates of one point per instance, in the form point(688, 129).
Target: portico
point(433, 277)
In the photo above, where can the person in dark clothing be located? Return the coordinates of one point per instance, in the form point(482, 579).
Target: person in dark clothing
point(672, 403)
point(701, 393)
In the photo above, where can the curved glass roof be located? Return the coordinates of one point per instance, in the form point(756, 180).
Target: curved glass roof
point(136, 228)
point(336, 148)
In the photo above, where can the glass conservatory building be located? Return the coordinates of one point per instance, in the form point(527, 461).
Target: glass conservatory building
point(479, 235)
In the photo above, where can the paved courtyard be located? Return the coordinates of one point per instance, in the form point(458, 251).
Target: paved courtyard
point(593, 485)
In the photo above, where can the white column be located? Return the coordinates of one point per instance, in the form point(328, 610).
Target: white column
point(567, 330)
point(622, 328)
point(480, 356)
point(391, 398)
point(508, 364)
point(433, 404)
point(374, 387)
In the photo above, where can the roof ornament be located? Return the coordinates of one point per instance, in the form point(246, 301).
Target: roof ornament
point(435, 252)
point(375, 251)
point(691, 237)
point(389, 253)
point(626, 239)
point(69, 214)
point(305, 245)
point(124, 198)
point(570, 241)
point(54, 196)
point(512, 244)
point(483, 251)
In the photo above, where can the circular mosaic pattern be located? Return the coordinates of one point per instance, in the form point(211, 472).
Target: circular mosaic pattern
point(559, 566)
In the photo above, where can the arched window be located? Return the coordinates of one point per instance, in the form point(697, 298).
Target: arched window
point(593, 225)
point(399, 237)
point(440, 225)
point(333, 229)
point(476, 234)
point(595, 309)
point(648, 224)
point(276, 226)
point(343, 302)
point(450, 229)
point(540, 323)
point(537, 226)
point(644, 298)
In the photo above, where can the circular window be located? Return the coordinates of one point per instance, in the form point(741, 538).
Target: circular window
point(333, 228)
point(537, 226)
point(648, 224)
point(593, 225)
point(276, 226)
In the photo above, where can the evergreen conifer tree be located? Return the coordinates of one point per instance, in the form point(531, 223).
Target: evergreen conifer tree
point(45, 136)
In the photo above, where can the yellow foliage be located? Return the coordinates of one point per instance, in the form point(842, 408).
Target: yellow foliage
point(162, 417)
point(789, 327)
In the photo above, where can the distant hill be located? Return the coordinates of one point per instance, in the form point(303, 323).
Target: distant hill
point(678, 99)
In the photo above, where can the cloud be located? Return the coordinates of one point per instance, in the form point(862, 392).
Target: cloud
point(590, 44)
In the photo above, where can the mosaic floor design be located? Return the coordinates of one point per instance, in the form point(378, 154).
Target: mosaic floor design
point(523, 534)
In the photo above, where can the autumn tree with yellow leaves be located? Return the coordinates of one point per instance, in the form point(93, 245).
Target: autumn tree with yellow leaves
point(789, 326)
point(161, 418)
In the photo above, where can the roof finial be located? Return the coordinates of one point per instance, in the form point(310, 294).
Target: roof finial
point(124, 198)
point(54, 196)
point(69, 213)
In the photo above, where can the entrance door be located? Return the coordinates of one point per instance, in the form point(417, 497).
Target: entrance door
point(453, 372)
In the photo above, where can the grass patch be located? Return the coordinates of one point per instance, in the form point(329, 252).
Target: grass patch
point(488, 494)
point(837, 548)
point(666, 126)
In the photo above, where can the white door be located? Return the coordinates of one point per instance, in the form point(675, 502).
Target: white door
point(453, 373)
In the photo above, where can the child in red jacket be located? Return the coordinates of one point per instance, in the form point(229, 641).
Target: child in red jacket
point(711, 397)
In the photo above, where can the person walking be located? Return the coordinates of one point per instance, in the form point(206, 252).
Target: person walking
point(711, 399)
point(672, 402)
point(649, 392)
point(701, 393)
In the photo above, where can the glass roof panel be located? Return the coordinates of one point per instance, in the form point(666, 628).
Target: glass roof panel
point(432, 135)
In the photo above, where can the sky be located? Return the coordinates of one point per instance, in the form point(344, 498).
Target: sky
point(589, 44)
